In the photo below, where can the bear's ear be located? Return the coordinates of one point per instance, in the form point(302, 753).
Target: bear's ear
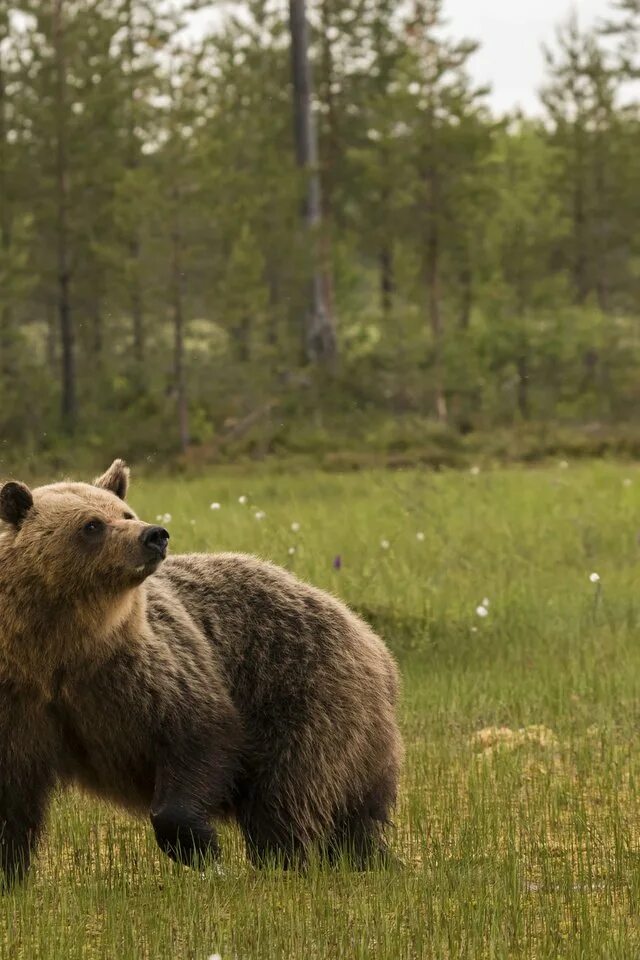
point(116, 479)
point(15, 502)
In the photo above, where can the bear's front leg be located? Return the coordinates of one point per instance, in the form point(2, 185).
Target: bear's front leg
point(188, 794)
point(24, 793)
point(184, 835)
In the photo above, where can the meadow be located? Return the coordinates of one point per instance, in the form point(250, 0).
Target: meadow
point(510, 598)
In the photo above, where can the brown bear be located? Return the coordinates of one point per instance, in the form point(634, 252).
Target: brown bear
point(188, 689)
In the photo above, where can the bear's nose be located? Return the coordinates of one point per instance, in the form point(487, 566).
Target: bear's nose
point(155, 539)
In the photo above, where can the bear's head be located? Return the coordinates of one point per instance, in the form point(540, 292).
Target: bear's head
point(78, 539)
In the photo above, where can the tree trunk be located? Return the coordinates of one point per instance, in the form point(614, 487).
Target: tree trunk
point(98, 338)
point(177, 298)
point(387, 278)
point(50, 313)
point(135, 291)
point(466, 295)
point(6, 319)
point(433, 296)
point(523, 386)
point(580, 264)
point(602, 227)
point(320, 343)
point(67, 338)
point(135, 294)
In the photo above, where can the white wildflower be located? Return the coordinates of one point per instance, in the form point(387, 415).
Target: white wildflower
point(627, 482)
point(482, 611)
point(292, 550)
point(214, 956)
point(420, 536)
point(485, 602)
point(475, 470)
point(259, 514)
point(295, 526)
point(214, 506)
point(563, 464)
point(242, 500)
point(385, 544)
point(595, 578)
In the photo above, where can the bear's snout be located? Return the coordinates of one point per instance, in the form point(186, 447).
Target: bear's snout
point(155, 540)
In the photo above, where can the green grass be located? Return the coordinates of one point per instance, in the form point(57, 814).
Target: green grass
point(516, 844)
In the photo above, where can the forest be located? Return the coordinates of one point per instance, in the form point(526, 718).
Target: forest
point(227, 229)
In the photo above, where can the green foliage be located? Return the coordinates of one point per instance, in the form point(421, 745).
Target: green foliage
point(482, 269)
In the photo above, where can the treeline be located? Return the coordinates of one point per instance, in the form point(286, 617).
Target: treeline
point(177, 267)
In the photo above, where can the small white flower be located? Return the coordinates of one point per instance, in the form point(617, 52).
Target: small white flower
point(295, 526)
point(159, 517)
point(214, 956)
point(420, 536)
point(475, 470)
point(627, 482)
point(474, 629)
point(214, 506)
point(414, 88)
point(563, 464)
point(595, 578)
point(259, 514)
point(165, 518)
point(485, 602)
point(192, 522)
point(242, 500)
point(292, 550)
point(482, 611)
point(385, 544)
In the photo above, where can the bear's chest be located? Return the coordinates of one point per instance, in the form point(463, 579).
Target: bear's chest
point(104, 744)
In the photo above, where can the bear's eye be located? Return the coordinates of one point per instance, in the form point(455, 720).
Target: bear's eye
point(129, 516)
point(93, 527)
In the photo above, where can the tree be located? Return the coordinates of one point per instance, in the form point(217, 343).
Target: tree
point(580, 99)
point(320, 336)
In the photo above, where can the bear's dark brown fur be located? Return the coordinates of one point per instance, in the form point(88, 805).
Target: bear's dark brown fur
point(201, 687)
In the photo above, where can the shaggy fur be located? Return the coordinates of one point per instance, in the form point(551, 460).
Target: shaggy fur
point(203, 687)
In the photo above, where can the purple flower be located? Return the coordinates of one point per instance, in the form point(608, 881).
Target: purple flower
point(337, 562)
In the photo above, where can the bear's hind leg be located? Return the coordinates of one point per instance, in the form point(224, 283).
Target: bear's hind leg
point(268, 840)
point(358, 835)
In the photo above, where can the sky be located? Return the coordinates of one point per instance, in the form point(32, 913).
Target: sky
point(511, 33)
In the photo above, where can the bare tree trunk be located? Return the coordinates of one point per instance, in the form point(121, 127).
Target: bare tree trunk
point(580, 264)
point(50, 313)
point(320, 342)
point(6, 319)
point(67, 338)
point(177, 299)
point(433, 296)
point(98, 338)
point(387, 279)
point(137, 307)
point(602, 262)
point(135, 291)
point(466, 298)
point(523, 386)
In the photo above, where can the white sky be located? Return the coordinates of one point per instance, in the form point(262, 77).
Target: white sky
point(511, 33)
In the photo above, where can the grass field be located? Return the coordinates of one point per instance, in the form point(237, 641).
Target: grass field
point(519, 820)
